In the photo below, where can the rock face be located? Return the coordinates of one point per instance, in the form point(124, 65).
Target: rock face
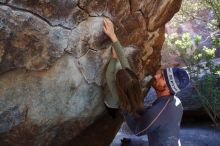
point(53, 56)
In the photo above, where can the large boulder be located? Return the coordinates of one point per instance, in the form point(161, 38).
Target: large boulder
point(53, 56)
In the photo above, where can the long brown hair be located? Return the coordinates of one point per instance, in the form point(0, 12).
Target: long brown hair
point(129, 91)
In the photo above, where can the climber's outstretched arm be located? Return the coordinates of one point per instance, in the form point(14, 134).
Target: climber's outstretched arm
point(108, 28)
point(112, 100)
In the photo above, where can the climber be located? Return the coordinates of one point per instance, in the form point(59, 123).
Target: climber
point(161, 121)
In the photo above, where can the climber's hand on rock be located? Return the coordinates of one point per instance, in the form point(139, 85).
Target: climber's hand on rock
point(109, 29)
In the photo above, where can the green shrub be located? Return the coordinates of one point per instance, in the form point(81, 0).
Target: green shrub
point(202, 70)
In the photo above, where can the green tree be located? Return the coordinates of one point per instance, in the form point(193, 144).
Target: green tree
point(203, 71)
point(190, 9)
point(215, 6)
